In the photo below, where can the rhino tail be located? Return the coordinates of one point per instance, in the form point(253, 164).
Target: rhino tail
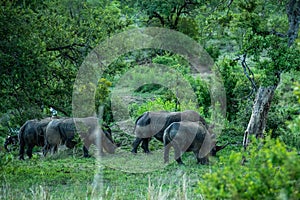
point(167, 137)
point(62, 133)
point(22, 141)
point(22, 134)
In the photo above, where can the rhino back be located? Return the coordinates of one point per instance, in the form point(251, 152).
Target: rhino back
point(151, 124)
point(67, 128)
point(143, 120)
point(187, 135)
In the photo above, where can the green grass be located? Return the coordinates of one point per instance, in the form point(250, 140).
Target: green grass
point(67, 175)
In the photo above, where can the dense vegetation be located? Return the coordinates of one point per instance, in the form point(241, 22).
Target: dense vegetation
point(255, 48)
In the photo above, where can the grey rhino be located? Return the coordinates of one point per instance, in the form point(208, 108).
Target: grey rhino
point(32, 134)
point(154, 123)
point(54, 137)
point(188, 136)
point(64, 131)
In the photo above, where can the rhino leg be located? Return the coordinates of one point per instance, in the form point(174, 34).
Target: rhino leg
point(166, 153)
point(135, 144)
point(54, 149)
point(179, 161)
point(203, 161)
point(145, 145)
point(46, 149)
point(177, 153)
point(29, 151)
point(70, 143)
point(21, 152)
point(85, 152)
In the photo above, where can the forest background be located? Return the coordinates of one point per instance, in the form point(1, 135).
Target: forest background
point(255, 49)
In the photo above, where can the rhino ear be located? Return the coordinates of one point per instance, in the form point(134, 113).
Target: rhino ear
point(218, 148)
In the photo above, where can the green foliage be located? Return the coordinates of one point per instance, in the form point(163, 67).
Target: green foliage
point(291, 134)
point(269, 171)
point(157, 105)
point(261, 38)
point(23, 65)
point(284, 107)
point(63, 176)
point(199, 86)
point(213, 51)
point(5, 158)
point(174, 61)
point(202, 92)
point(101, 96)
point(237, 87)
point(232, 133)
point(43, 46)
point(297, 90)
point(147, 84)
point(169, 13)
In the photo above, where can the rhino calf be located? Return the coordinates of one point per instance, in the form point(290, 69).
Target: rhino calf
point(188, 136)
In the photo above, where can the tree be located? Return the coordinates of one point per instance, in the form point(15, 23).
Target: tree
point(270, 49)
point(42, 46)
point(174, 14)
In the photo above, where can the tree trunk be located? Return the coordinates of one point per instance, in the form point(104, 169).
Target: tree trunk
point(264, 96)
point(257, 123)
point(293, 13)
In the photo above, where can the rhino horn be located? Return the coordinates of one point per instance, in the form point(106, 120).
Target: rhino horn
point(218, 148)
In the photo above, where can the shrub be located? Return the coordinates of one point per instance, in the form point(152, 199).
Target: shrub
point(284, 106)
point(156, 105)
point(291, 135)
point(237, 87)
point(269, 172)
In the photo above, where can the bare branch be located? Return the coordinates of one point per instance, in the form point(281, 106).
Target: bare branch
point(158, 16)
point(273, 32)
point(247, 71)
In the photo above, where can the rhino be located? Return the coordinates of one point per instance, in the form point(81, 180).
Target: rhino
point(186, 136)
point(10, 140)
point(154, 123)
point(32, 134)
point(54, 137)
point(64, 131)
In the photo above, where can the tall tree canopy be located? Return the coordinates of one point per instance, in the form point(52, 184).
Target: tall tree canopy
point(43, 44)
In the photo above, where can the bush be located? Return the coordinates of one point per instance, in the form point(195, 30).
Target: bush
point(269, 172)
point(156, 105)
point(237, 89)
point(284, 106)
point(291, 135)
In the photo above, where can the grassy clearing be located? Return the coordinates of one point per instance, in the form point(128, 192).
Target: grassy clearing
point(70, 176)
